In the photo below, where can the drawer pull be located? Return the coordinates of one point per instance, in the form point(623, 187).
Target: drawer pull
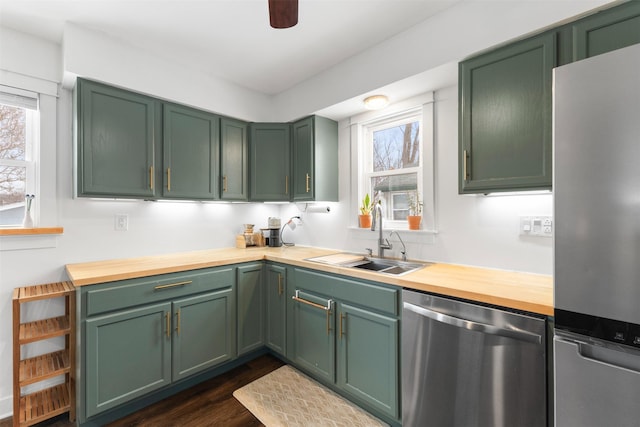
point(172, 285)
point(307, 182)
point(178, 322)
point(327, 309)
point(342, 332)
point(280, 284)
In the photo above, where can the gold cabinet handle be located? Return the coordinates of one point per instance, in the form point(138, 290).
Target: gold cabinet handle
point(151, 177)
point(224, 184)
point(308, 187)
point(286, 184)
point(167, 325)
point(280, 284)
point(342, 317)
point(464, 165)
point(172, 285)
point(327, 309)
point(168, 179)
point(178, 322)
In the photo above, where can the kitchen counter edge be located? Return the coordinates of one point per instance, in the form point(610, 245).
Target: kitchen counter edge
point(516, 290)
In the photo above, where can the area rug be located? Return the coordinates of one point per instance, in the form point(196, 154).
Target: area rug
point(288, 398)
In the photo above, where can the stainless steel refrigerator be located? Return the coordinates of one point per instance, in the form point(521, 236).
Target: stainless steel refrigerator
point(597, 241)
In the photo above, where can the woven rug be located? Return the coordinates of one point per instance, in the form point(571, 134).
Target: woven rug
point(288, 398)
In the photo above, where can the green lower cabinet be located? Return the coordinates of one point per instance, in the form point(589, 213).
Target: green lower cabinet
point(250, 308)
point(368, 357)
point(314, 335)
point(128, 354)
point(276, 316)
point(202, 333)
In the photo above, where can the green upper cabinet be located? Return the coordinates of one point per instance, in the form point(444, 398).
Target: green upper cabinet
point(608, 30)
point(115, 142)
point(315, 160)
point(505, 117)
point(269, 160)
point(190, 147)
point(233, 160)
point(250, 308)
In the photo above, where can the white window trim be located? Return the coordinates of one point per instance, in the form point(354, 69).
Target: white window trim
point(45, 211)
point(360, 123)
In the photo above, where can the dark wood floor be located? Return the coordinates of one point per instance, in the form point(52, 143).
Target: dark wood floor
point(210, 403)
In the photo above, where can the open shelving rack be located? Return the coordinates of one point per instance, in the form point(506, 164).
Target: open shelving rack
point(32, 408)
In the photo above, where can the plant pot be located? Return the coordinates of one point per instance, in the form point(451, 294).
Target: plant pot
point(414, 222)
point(365, 221)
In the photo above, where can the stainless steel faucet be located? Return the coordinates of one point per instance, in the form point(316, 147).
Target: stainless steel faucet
point(404, 248)
point(382, 242)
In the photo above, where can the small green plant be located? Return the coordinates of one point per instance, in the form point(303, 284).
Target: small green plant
point(415, 204)
point(367, 206)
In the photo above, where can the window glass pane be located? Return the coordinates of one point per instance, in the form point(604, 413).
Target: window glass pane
point(12, 193)
point(396, 147)
point(12, 132)
point(394, 192)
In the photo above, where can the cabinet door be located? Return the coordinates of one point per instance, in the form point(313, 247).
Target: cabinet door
point(203, 332)
point(368, 366)
point(315, 159)
point(234, 159)
point(128, 354)
point(303, 160)
point(269, 160)
point(276, 281)
point(314, 335)
point(115, 142)
point(505, 117)
point(250, 308)
point(190, 146)
point(609, 30)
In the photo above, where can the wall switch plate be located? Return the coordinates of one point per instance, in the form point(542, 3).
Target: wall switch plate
point(540, 226)
point(121, 222)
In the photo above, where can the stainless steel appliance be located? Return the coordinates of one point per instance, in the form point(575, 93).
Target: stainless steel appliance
point(469, 365)
point(597, 240)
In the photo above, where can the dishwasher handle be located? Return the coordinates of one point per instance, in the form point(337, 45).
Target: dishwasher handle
point(472, 325)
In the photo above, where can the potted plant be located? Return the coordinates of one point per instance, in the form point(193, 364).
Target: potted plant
point(365, 212)
point(415, 212)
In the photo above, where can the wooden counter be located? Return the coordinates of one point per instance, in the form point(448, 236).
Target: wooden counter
point(523, 291)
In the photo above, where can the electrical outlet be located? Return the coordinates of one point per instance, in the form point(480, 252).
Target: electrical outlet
point(540, 226)
point(121, 222)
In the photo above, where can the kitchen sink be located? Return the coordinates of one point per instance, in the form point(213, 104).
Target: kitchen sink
point(388, 266)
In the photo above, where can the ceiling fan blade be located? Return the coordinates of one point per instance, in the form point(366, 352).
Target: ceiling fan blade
point(283, 13)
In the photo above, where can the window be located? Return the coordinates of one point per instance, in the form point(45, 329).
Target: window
point(392, 166)
point(18, 134)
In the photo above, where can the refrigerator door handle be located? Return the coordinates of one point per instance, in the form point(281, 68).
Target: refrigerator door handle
point(472, 325)
point(583, 350)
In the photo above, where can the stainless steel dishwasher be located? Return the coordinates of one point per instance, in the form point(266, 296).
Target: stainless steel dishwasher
point(470, 365)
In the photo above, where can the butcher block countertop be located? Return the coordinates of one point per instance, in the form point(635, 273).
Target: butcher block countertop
point(522, 291)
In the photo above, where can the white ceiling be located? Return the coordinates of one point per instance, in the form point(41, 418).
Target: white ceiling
point(231, 39)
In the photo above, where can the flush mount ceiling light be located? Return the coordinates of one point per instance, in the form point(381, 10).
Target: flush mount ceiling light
point(376, 102)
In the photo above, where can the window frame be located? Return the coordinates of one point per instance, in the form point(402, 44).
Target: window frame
point(366, 173)
point(425, 104)
point(25, 100)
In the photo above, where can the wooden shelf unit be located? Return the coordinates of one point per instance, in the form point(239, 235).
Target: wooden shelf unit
point(32, 408)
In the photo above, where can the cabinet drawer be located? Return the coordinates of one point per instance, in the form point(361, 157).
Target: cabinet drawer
point(377, 297)
point(127, 293)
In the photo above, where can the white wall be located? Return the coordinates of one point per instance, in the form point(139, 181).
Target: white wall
point(473, 230)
